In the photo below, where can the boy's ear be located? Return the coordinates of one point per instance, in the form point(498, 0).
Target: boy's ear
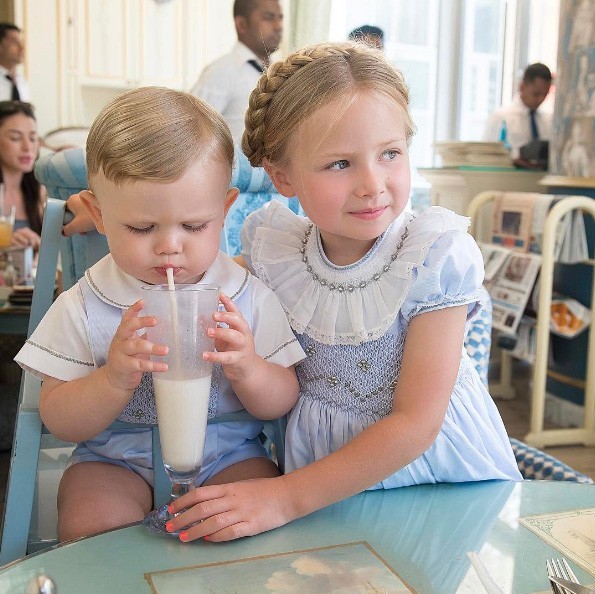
point(92, 205)
point(230, 198)
point(279, 179)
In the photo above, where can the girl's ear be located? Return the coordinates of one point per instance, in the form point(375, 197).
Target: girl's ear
point(279, 178)
point(92, 205)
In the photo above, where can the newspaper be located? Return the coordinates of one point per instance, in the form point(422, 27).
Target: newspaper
point(519, 220)
point(511, 288)
point(512, 220)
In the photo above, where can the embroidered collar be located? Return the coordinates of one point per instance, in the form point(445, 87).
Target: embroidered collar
point(343, 304)
point(115, 287)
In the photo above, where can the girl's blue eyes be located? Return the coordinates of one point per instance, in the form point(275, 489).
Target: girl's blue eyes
point(342, 164)
point(388, 155)
point(145, 230)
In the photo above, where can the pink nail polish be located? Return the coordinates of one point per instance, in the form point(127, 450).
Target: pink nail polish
point(169, 527)
point(184, 536)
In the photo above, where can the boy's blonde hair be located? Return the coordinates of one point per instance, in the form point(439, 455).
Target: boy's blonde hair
point(294, 88)
point(154, 134)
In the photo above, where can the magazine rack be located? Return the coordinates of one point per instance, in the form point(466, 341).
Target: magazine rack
point(538, 435)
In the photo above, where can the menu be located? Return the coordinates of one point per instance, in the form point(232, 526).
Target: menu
point(350, 567)
point(571, 532)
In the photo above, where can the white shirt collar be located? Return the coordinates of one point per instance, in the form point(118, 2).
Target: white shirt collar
point(244, 53)
point(115, 287)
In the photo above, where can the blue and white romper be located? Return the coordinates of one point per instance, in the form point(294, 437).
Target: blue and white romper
point(73, 340)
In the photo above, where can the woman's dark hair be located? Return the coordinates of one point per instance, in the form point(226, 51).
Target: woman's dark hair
point(29, 184)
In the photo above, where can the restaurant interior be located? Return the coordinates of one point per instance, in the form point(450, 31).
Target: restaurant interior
point(531, 211)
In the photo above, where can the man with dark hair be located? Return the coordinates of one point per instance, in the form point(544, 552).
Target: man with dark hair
point(522, 121)
point(226, 84)
point(369, 34)
point(12, 51)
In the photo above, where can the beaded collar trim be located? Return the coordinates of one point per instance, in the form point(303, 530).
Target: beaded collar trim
point(340, 287)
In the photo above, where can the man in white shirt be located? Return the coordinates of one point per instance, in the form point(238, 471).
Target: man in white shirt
point(12, 51)
point(523, 120)
point(226, 84)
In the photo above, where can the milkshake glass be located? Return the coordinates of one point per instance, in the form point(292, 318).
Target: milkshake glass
point(182, 392)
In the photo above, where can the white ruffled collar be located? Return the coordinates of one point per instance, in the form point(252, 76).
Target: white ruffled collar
point(115, 287)
point(343, 304)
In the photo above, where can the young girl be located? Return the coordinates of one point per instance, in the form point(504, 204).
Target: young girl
point(159, 166)
point(19, 145)
point(378, 299)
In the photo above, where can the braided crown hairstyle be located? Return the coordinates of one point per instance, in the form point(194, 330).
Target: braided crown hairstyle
point(294, 88)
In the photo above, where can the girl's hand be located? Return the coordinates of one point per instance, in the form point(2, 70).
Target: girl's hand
point(24, 237)
point(234, 344)
point(128, 356)
point(226, 512)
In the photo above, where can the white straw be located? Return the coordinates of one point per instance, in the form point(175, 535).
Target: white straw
point(170, 279)
point(173, 307)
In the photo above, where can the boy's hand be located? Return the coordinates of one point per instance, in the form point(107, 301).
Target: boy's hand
point(128, 356)
point(234, 344)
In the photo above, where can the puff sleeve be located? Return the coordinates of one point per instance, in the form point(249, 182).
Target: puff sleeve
point(450, 275)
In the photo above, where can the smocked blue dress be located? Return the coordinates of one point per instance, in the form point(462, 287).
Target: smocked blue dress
point(352, 321)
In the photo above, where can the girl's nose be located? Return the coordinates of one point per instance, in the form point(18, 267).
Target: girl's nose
point(369, 182)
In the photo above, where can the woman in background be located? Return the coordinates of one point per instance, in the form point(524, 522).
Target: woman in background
point(19, 145)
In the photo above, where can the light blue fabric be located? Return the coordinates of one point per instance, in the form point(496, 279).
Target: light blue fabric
point(345, 388)
point(256, 189)
point(225, 443)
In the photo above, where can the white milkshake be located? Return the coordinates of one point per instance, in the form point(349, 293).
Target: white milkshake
point(182, 411)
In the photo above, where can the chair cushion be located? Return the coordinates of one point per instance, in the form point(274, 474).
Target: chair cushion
point(535, 464)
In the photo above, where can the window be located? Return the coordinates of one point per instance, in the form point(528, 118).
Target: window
point(460, 58)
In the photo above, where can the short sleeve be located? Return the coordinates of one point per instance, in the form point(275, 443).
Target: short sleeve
point(59, 346)
point(451, 275)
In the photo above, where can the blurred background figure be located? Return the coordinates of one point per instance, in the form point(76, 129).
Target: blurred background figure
point(19, 145)
point(226, 84)
point(369, 34)
point(521, 121)
point(12, 52)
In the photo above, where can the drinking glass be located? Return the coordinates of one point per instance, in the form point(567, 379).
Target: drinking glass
point(7, 216)
point(182, 392)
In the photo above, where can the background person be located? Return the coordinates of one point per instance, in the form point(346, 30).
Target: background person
point(369, 34)
point(19, 145)
point(13, 86)
point(523, 119)
point(226, 84)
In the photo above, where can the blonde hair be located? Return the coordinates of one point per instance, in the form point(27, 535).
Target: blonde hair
point(154, 134)
point(294, 88)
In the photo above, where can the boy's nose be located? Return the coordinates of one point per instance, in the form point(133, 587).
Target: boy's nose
point(168, 244)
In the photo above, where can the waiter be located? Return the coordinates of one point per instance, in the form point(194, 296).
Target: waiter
point(12, 51)
point(521, 121)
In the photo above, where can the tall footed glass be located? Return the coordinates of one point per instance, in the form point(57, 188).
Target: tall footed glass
point(181, 392)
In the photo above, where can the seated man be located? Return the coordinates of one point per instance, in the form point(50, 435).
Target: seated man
point(521, 121)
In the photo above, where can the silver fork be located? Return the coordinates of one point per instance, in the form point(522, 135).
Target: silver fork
point(561, 569)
